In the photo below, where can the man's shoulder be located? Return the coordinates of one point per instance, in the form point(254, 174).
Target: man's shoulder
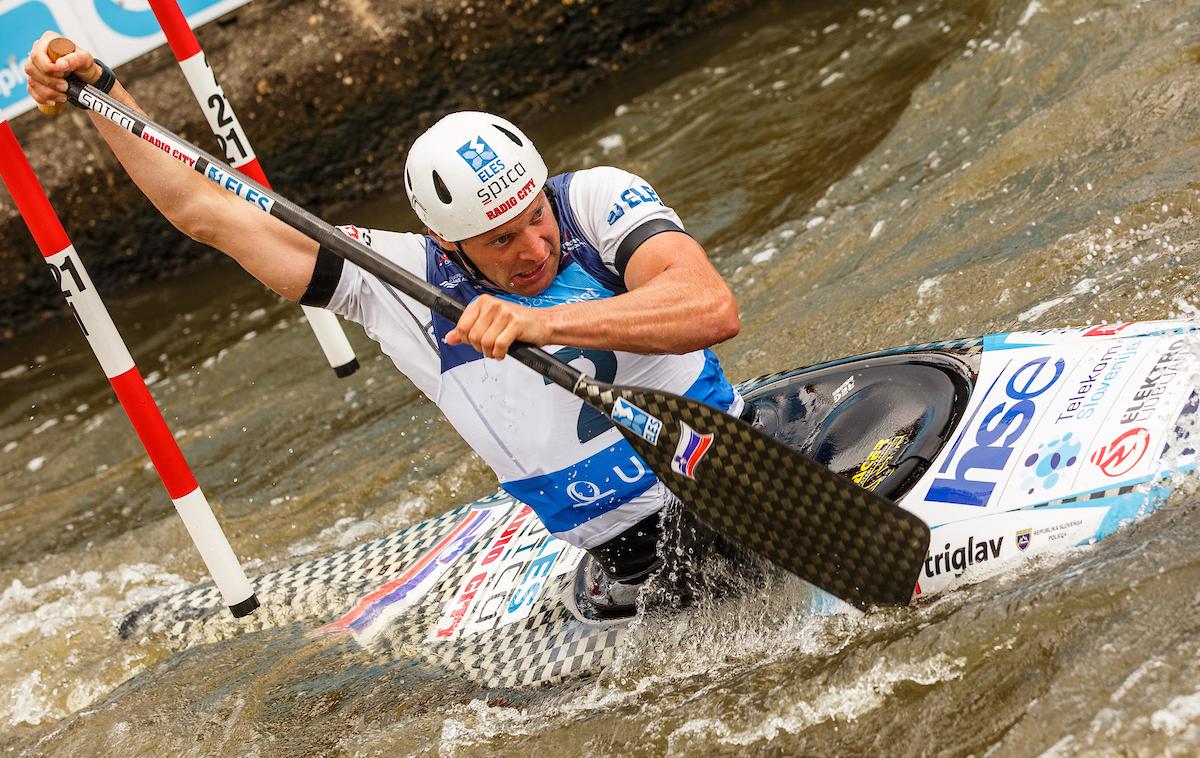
point(596, 175)
point(383, 239)
point(407, 249)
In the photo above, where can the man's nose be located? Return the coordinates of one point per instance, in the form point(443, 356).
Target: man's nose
point(531, 244)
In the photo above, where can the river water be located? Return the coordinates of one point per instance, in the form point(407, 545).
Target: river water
point(865, 176)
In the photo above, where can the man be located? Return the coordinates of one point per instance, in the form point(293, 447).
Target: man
point(593, 260)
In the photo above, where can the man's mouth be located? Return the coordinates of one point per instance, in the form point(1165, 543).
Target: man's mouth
point(531, 274)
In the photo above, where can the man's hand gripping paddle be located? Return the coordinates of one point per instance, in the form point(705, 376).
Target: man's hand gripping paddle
point(754, 490)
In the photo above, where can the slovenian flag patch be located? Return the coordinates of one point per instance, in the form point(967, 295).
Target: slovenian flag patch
point(691, 448)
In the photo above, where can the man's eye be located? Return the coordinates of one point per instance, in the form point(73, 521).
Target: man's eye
point(503, 239)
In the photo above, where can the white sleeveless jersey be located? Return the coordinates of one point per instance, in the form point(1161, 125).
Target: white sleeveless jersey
point(548, 448)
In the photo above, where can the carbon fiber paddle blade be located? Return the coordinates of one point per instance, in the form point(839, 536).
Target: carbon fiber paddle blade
point(772, 500)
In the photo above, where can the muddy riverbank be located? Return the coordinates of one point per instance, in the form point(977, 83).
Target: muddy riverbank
point(331, 92)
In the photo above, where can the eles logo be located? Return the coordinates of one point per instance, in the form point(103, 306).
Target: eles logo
point(480, 157)
point(995, 437)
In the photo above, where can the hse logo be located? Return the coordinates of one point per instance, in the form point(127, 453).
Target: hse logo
point(975, 471)
point(481, 158)
point(637, 420)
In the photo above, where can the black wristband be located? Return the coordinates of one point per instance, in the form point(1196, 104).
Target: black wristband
point(106, 79)
point(104, 82)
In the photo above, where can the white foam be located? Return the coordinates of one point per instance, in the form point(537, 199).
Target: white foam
point(1041, 308)
point(831, 78)
point(764, 256)
point(1181, 715)
point(875, 230)
point(611, 142)
point(35, 620)
point(36, 464)
point(927, 286)
point(1030, 10)
point(902, 21)
point(848, 702)
point(1083, 286)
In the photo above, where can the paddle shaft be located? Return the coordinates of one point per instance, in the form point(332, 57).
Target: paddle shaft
point(315, 228)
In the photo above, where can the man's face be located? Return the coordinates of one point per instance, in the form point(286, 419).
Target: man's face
point(521, 256)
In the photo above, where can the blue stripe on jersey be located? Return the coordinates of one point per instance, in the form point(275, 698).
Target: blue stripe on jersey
point(440, 271)
point(711, 387)
point(566, 498)
point(574, 244)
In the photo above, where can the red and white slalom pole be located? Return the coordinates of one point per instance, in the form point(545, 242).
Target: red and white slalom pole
point(239, 153)
point(126, 381)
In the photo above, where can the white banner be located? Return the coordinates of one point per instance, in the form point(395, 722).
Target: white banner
point(117, 31)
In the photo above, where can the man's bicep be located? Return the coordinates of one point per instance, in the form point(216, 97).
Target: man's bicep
point(271, 251)
point(667, 249)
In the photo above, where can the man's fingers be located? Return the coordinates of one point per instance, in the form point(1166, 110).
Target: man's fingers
point(43, 94)
point(504, 342)
point(49, 81)
point(80, 61)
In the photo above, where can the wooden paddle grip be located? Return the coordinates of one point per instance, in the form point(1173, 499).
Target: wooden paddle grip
point(58, 47)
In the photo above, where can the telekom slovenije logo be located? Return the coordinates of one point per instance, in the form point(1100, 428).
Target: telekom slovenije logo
point(691, 448)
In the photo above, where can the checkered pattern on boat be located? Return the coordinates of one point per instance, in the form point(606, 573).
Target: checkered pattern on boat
point(549, 646)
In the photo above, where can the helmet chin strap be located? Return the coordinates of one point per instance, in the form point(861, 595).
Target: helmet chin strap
point(460, 258)
point(463, 261)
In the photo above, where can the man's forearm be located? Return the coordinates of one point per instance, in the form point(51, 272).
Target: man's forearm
point(174, 190)
point(674, 313)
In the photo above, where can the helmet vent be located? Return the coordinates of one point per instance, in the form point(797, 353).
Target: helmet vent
point(510, 135)
point(443, 192)
point(408, 180)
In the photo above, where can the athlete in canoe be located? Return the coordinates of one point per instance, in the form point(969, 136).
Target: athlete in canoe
point(593, 260)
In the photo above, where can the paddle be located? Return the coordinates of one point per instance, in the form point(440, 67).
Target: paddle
point(799, 515)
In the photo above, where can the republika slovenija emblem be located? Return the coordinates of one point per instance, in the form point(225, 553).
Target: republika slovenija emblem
point(1023, 538)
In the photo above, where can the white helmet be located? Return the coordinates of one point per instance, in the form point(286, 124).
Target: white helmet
point(471, 172)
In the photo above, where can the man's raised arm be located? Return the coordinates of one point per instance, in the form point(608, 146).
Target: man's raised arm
point(274, 253)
